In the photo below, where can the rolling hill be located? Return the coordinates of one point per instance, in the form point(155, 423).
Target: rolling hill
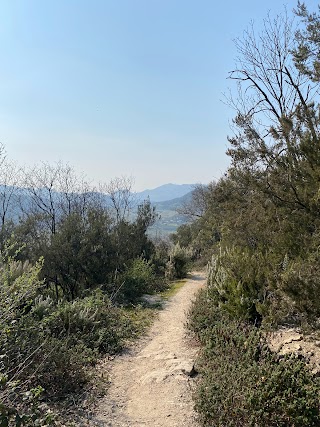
point(165, 192)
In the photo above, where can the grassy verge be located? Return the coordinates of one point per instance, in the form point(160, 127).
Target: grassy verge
point(139, 318)
point(173, 289)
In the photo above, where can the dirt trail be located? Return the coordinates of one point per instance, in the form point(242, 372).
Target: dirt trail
point(149, 385)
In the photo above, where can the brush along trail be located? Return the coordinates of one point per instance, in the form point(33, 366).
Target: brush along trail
point(151, 384)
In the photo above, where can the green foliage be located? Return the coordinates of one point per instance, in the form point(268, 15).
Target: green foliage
point(19, 287)
point(201, 233)
point(138, 279)
point(179, 262)
point(204, 313)
point(183, 235)
point(35, 415)
point(299, 288)
point(87, 249)
point(242, 383)
point(80, 255)
point(306, 54)
point(92, 321)
point(160, 256)
point(238, 282)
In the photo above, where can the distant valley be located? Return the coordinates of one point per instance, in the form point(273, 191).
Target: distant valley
point(166, 192)
point(168, 199)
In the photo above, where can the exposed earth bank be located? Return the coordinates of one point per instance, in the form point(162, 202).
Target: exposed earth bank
point(151, 384)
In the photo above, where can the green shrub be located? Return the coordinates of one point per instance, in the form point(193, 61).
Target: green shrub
point(300, 287)
point(138, 279)
point(31, 415)
point(179, 262)
point(242, 383)
point(238, 281)
point(21, 342)
point(160, 257)
point(92, 321)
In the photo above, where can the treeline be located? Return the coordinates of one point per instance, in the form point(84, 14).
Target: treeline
point(74, 262)
point(261, 223)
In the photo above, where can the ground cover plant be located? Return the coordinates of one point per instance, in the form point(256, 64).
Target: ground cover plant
point(242, 383)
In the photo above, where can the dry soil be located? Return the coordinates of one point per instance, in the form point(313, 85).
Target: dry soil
point(149, 384)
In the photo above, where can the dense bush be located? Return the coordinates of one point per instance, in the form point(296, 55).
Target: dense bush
point(92, 321)
point(88, 249)
point(138, 279)
point(179, 262)
point(242, 383)
point(237, 282)
point(300, 283)
point(20, 342)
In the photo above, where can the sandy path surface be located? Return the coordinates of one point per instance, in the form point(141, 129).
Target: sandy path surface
point(149, 385)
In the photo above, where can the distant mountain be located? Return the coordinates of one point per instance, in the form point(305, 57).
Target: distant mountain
point(173, 204)
point(170, 219)
point(165, 192)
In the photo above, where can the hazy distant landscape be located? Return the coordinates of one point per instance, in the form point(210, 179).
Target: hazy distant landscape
point(167, 199)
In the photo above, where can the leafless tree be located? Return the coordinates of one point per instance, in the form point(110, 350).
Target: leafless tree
point(10, 179)
point(198, 203)
point(122, 198)
point(75, 192)
point(41, 185)
point(270, 87)
point(275, 113)
point(56, 191)
point(10, 175)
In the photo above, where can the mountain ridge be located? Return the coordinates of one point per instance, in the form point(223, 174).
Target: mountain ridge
point(165, 192)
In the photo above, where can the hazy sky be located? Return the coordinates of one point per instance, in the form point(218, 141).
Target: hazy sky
point(122, 87)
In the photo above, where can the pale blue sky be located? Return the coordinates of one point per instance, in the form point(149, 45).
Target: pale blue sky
point(122, 87)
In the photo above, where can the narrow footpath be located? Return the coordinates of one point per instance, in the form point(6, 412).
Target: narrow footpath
point(150, 385)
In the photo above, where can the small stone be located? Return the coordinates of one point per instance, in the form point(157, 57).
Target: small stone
point(293, 337)
point(190, 372)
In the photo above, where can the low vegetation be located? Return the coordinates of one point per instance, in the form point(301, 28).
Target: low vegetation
point(242, 382)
